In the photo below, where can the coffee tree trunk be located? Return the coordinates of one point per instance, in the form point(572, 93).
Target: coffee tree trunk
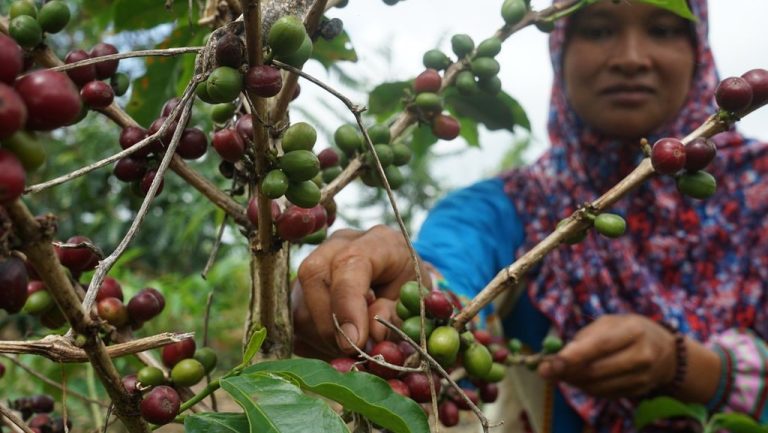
point(269, 302)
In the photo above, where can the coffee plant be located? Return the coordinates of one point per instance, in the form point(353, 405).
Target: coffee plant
point(224, 79)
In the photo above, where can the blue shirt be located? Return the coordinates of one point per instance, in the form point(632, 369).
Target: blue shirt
point(469, 236)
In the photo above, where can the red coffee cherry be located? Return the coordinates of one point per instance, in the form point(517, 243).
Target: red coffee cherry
point(733, 94)
point(130, 169)
point(78, 259)
point(13, 284)
point(399, 387)
point(193, 144)
point(668, 156)
point(427, 81)
point(699, 153)
point(144, 306)
point(244, 127)
point(448, 413)
point(11, 59)
point(173, 353)
point(328, 158)
point(12, 177)
point(165, 139)
point(758, 81)
point(51, 98)
point(418, 386)
point(161, 405)
point(445, 127)
point(438, 305)
point(264, 80)
point(81, 74)
point(229, 145)
point(131, 135)
point(252, 211)
point(343, 365)
point(169, 106)
point(230, 51)
point(482, 336)
point(108, 68)
point(97, 94)
point(129, 383)
point(391, 354)
point(489, 392)
point(109, 288)
point(295, 223)
point(13, 112)
point(113, 311)
point(146, 182)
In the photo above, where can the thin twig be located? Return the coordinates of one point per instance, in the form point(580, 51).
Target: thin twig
point(50, 382)
point(167, 52)
point(15, 420)
point(106, 418)
point(378, 359)
point(215, 249)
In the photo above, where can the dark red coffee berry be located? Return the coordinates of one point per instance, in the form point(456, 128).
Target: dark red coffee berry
point(328, 158)
point(448, 413)
point(427, 81)
point(445, 127)
point(146, 182)
point(320, 215)
point(97, 94)
point(229, 145)
point(733, 94)
point(130, 169)
point(343, 365)
point(244, 127)
point(499, 353)
point(399, 387)
point(113, 311)
point(230, 51)
point(143, 306)
point(109, 288)
point(668, 156)
point(264, 80)
point(51, 98)
point(12, 177)
point(42, 404)
point(461, 403)
point(169, 106)
point(758, 80)
point(193, 144)
point(81, 74)
point(131, 135)
point(482, 336)
point(418, 386)
point(80, 258)
point(489, 392)
point(11, 59)
point(161, 405)
point(252, 211)
point(295, 223)
point(13, 112)
point(129, 383)
point(391, 354)
point(173, 353)
point(156, 293)
point(438, 305)
point(13, 284)
point(699, 153)
point(107, 68)
point(165, 138)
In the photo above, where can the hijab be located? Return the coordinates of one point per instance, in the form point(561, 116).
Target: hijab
point(698, 265)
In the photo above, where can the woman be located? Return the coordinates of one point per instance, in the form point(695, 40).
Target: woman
point(622, 72)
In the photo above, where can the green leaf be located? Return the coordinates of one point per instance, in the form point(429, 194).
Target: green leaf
point(275, 405)
point(736, 423)
point(149, 94)
point(422, 139)
point(659, 408)
point(213, 422)
point(337, 49)
point(679, 7)
point(363, 393)
point(496, 112)
point(254, 344)
point(468, 131)
point(386, 99)
point(145, 14)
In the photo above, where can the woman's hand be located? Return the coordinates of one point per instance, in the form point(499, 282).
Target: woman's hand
point(357, 276)
point(616, 356)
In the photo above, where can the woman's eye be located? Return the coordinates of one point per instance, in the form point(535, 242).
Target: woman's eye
point(667, 31)
point(595, 32)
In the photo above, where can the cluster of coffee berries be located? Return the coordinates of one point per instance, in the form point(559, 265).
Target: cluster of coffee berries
point(95, 92)
point(144, 306)
point(28, 23)
point(289, 42)
point(482, 75)
point(161, 402)
point(36, 412)
point(350, 143)
point(748, 92)
point(429, 105)
point(669, 156)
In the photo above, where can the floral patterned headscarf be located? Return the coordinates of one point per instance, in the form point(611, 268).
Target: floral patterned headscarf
point(700, 265)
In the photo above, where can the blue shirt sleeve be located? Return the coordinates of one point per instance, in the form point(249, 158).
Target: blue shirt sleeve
point(470, 235)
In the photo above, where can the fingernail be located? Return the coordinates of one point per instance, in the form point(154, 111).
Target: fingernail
point(350, 331)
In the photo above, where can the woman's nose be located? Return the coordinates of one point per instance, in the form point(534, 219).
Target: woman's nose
point(630, 54)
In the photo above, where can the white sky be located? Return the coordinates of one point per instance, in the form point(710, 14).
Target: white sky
point(738, 33)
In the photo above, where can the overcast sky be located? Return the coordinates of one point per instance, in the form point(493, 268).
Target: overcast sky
point(739, 33)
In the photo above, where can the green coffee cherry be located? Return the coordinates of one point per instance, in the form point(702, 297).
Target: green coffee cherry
point(286, 35)
point(330, 173)
point(394, 177)
point(224, 84)
point(187, 372)
point(384, 151)
point(401, 154)
point(491, 85)
point(513, 11)
point(610, 225)
point(515, 346)
point(462, 45)
point(412, 327)
point(26, 31)
point(303, 194)
point(484, 67)
point(314, 238)
point(300, 165)
point(21, 8)
point(150, 376)
point(207, 357)
point(221, 113)
point(443, 344)
point(428, 101)
point(436, 59)
point(465, 83)
point(477, 360)
point(699, 185)
point(120, 82)
point(496, 373)
point(402, 311)
point(410, 295)
point(348, 139)
point(275, 184)
point(53, 16)
point(489, 47)
point(551, 344)
point(301, 55)
point(379, 134)
point(299, 136)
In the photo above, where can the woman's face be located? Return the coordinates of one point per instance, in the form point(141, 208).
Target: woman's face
point(627, 67)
